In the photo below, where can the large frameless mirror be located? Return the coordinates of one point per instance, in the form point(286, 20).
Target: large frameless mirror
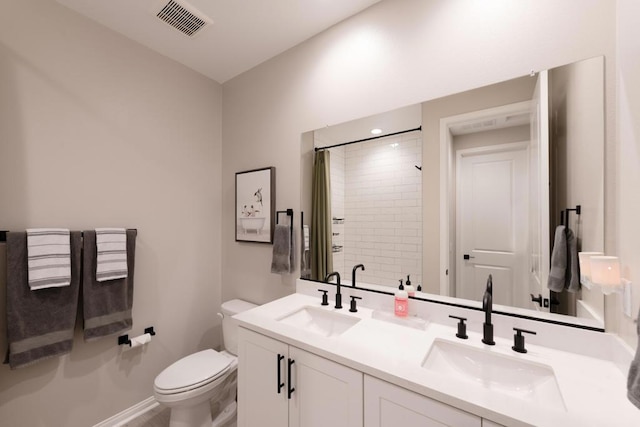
point(457, 188)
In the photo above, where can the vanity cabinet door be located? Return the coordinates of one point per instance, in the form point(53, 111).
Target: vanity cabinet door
point(281, 386)
point(387, 405)
point(262, 396)
point(326, 394)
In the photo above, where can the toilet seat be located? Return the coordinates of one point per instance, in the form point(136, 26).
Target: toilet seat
point(193, 372)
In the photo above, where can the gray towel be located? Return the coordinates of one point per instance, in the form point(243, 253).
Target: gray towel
point(282, 261)
point(633, 381)
point(564, 262)
point(557, 274)
point(572, 279)
point(40, 323)
point(107, 305)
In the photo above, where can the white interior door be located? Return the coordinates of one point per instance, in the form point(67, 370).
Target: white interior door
point(491, 222)
point(539, 193)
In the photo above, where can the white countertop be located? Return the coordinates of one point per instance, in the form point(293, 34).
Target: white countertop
point(593, 390)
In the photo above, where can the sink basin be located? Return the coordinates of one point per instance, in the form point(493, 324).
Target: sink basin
point(512, 376)
point(321, 322)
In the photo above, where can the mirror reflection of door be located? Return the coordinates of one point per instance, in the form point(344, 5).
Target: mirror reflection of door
point(491, 222)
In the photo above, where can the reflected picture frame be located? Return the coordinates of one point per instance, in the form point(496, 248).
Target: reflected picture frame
point(255, 205)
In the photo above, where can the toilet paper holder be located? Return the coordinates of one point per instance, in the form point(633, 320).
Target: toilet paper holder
point(124, 339)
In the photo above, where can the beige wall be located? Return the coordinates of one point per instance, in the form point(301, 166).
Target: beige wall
point(391, 55)
point(577, 167)
point(626, 164)
point(96, 130)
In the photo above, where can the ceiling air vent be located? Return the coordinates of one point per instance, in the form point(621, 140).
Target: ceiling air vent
point(183, 17)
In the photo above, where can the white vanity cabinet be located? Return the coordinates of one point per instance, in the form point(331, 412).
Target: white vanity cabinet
point(281, 385)
point(387, 405)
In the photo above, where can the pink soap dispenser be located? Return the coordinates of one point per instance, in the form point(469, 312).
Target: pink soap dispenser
point(401, 302)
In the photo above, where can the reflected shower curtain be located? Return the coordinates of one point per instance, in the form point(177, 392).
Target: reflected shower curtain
point(321, 254)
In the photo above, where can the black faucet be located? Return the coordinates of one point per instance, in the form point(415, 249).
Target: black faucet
point(487, 306)
point(353, 273)
point(338, 294)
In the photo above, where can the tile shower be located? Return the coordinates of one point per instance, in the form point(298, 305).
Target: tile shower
point(377, 208)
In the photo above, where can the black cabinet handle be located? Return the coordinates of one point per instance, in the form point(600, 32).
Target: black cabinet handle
point(290, 389)
point(537, 299)
point(280, 385)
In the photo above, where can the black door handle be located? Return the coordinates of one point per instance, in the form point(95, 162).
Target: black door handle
point(467, 256)
point(280, 385)
point(290, 389)
point(537, 299)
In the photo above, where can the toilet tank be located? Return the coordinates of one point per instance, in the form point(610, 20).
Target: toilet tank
point(229, 325)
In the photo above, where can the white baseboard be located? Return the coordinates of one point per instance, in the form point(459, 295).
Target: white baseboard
point(129, 413)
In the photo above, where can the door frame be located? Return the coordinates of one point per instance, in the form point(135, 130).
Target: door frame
point(447, 194)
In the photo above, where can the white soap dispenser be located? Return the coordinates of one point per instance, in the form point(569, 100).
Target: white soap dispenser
point(411, 291)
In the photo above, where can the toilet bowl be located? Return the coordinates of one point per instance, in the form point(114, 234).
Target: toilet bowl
point(190, 385)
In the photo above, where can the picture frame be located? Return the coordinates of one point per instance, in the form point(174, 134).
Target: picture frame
point(255, 205)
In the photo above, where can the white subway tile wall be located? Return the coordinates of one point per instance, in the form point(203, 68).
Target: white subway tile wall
point(377, 189)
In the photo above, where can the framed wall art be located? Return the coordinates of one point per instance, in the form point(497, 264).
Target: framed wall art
point(255, 205)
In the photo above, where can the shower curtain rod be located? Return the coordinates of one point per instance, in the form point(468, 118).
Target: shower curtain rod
point(369, 139)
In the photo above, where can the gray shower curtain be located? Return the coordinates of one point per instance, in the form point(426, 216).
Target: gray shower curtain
point(321, 232)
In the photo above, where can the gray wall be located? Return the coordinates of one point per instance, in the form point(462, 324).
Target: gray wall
point(98, 131)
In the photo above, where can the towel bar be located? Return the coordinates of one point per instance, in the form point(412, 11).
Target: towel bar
point(564, 214)
point(3, 234)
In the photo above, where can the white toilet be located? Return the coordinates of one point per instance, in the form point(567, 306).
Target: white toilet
point(189, 385)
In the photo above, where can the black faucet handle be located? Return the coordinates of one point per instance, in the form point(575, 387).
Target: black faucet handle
point(325, 298)
point(353, 307)
point(518, 340)
point(462, 327)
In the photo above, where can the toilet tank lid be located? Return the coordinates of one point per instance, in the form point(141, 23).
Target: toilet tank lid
point(235, 306)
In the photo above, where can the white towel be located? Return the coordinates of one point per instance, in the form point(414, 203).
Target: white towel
point(111, 246)
point(49, 258)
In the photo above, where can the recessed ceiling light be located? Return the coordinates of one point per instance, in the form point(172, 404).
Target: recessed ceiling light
point(376, 131)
